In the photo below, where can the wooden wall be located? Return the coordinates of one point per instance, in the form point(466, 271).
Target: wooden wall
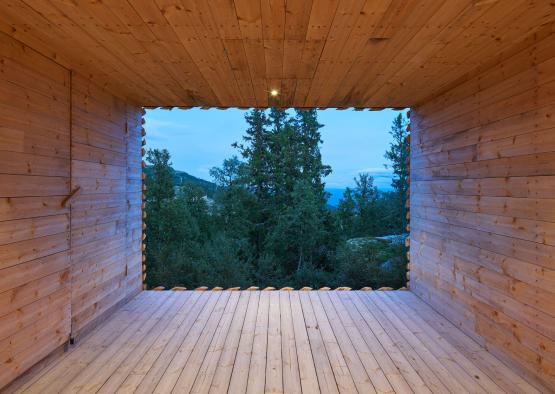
point(134, 226)
point(104, 163)
point(61, 267)
point(483, 205)
point(34, 227)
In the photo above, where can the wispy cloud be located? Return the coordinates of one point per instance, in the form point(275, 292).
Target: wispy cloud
point(376, 170)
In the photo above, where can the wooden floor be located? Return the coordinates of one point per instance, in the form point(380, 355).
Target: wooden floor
point(277, 341)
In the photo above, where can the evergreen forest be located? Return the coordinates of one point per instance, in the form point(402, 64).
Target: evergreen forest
point(266, 222)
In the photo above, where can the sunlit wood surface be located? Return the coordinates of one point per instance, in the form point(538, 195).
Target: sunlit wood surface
point(277, 341)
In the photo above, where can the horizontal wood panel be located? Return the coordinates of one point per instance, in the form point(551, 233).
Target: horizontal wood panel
point(113, 293)
point(62, 267)
point(35, 269)
point(22, 251)
point(44, 344)
point(512, 267)
point(26, 229)
point(80, 253)
point(84, 169)
point(100, 160)
point(97, 155)
point(34, 227)
point(526, 229)
point(526, 208)
point(95, 201)
point(492, 288)
point(504, 328)
point(12, 113)
point(26, 315)
point(522, 144)
point(532, 252)
point(99, 185)
point(98, 216)
point(519, 187)
point(527, 165)
point(55, 107)
point(21, 138)
point(105, 264)
point(16, 298)
point(482, 207)
point(21, 186)
point(12, 208)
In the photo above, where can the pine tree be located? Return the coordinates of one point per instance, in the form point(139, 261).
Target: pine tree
point(312, 168)
point(299, 229)
point(160, 183)
point(256, 150)
point(159, 190)
point(398, 154)
point(346, 213)
point(366, 195)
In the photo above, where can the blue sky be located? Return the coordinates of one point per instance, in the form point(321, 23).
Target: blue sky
point(353, 141)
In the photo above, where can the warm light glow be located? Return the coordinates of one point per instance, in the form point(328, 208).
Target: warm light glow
point(274, 92)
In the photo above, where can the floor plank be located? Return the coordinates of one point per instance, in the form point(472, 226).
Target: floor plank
point(460, 367)
point(307, 367)
point(155, 373)
point(163, 344)
point(77, 361)
point(274, 371)
point(201, 329)
point(389, 346)
point(430, 368)
point(324, 371)
point(501, 374)
point(257, 368)
point(372, 366)
point(215, 331)
point(104, 365)
point(344, 376)
point(232, 318)
point(240, 373)
point(224, 367)
point(139, 352)
point(277, 342)
point(290, 363)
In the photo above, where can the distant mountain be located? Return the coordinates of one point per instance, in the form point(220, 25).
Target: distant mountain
point(181, 178)
point(336, 194)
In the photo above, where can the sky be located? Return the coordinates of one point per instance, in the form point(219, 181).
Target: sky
point(353, 141)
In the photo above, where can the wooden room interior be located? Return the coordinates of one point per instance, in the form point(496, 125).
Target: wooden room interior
point(479, 311)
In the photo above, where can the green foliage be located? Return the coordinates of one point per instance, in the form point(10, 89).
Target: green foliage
point(266, 223)
point(375, 263)
point(398, 154)
point(299, 229)
point(347, 213)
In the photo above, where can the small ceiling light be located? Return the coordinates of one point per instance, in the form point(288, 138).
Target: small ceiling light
point(274, 92)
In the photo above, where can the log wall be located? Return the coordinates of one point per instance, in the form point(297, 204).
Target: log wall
point(62, 267)
point(483, 206)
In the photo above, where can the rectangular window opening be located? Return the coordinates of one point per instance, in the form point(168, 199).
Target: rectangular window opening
point(276, 198)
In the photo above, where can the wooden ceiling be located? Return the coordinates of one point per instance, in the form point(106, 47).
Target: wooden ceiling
point(231, 53)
